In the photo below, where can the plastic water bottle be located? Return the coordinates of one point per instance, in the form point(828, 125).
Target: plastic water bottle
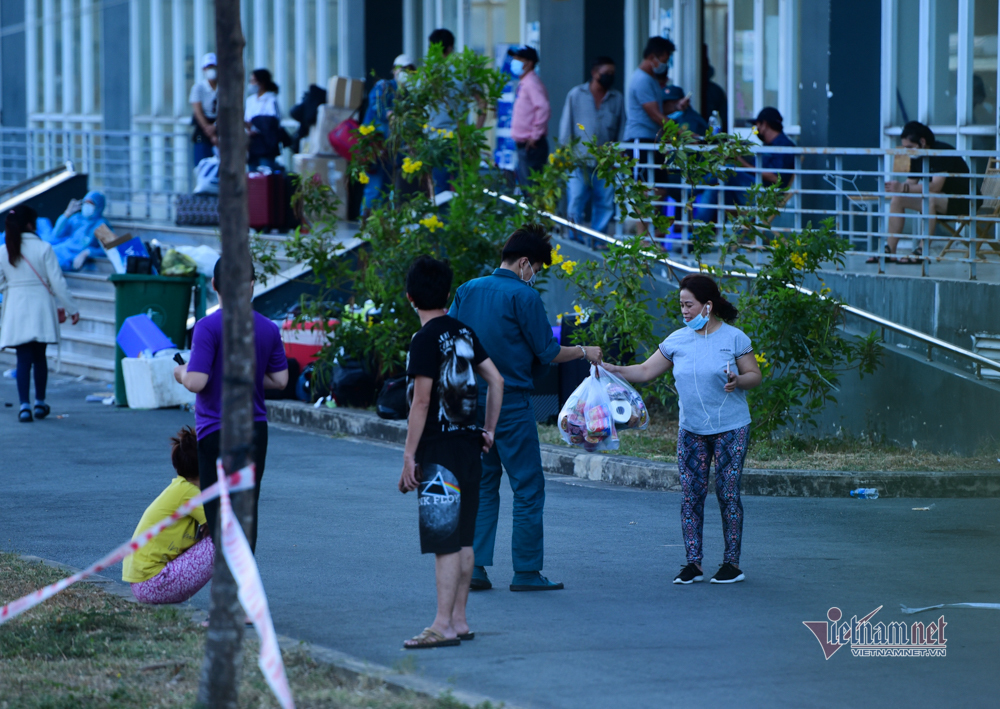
point(715, 122)
point(865, 493)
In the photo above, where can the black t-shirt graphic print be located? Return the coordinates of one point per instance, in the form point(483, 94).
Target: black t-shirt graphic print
point(446, 351)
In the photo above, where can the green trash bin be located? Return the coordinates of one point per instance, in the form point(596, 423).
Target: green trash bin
point(165, 299)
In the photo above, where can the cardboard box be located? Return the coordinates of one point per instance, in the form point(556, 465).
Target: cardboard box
point(344, 92)
point(327, 118)
point(108, 238)
point(331, 171)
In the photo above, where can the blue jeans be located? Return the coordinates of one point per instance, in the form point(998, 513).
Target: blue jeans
point(516, 449)
point(584, 185)
point(31, 354)
point(202, 151)
point(379, 180)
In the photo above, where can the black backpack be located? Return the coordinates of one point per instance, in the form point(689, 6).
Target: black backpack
point(391, 403)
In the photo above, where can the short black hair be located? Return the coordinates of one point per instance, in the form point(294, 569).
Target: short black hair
point(429, 282)
point(217, 274)
point(915, 130)
point(602, 60)
point(443, 37)
point(184, 453)
point(657, 46)
point(530, 240)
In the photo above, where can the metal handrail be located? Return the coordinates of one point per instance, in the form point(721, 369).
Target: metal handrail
point(67, 167)
point(930, 342)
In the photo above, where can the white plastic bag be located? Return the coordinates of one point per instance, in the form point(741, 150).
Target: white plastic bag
point(204, 256)
point(585, 420)
point(206, 176)
point(627, 408)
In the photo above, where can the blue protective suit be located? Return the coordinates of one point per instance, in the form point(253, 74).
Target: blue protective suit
point(74, 234)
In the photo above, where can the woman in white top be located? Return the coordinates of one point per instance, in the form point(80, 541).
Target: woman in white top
point(263, 121)
point(714, 366)
point(31, 280)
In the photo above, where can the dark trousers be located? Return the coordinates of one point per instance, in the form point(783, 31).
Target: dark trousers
point(529, 159)
point(208, 453)
point(31, 354)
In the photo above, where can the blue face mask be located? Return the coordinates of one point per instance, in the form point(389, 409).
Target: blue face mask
point(516, 67)
point(676, 115)
point(698, 321)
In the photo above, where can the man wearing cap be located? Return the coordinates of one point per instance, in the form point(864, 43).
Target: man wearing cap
point(770, 129)
point(593, 110)
point(204, 106)
point(678, 109)
point(380, 102)
point(528, 124)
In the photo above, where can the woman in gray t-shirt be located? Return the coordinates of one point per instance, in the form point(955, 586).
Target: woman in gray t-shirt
point(714, 366)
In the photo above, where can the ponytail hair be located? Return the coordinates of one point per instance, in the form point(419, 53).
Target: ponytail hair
point(184, 453)
point(706, 290)
point(265, 80)
point(18, 220)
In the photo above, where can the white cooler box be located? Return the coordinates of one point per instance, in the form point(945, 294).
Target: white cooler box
point(150, 383)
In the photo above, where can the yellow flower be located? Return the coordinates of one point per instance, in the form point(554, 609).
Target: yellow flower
point(578, 310)
point(580, 126)
point(761, 359)
point(597, 286)
point(614, 292)
point(552, 159)
point(755, 131)
point(363, 178)
point(432, 223)
point(426, 126)
point(411, 166)
point(365, 130)
point(557, 258)
point(568, 267)
point(797, 260)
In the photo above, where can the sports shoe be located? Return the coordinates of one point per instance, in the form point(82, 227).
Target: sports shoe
point(533, 581)
point(480, 581)
point(689, 574)
point(727, 573)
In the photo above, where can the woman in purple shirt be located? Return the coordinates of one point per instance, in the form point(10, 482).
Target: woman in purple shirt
point(203, 375)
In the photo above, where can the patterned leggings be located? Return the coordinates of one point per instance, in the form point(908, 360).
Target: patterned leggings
point(694, 455)
point(181, 578)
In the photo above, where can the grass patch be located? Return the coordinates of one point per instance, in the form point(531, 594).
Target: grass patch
point(86, 649)
point(659, 442)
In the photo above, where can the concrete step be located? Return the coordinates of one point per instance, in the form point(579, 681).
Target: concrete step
point(89, 281)
point(94, 304)
point(89, 344)
point(94, 324)
point(72, 364)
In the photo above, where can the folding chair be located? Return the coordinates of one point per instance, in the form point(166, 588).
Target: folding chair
point(960, 225)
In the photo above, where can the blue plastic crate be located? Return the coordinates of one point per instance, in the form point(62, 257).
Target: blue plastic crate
point(139, 334)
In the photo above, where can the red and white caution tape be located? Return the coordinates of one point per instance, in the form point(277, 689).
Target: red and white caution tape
point(251, 594)
point(240, 480)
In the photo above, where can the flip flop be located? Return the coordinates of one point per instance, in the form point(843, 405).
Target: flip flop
point(917, 256)
point(428, 639)
point(467, 636)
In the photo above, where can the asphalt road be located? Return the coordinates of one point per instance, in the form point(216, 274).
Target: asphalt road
point(339, 556)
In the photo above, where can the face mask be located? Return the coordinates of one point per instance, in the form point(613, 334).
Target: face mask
point(401, 77)
point(530, 281)
point(676, 115)
point(517, 67)
point(700, 320)
point(661, 69)
point(251, 89)
point(87, 210)
point(606, 80)
point(211, 74)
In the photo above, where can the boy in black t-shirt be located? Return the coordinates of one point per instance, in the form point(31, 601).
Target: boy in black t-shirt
point(443, 443)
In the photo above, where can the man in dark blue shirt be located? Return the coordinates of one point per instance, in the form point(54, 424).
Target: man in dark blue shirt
point(774, 166)
point(508, 316)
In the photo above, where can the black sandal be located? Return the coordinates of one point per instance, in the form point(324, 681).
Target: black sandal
point(889, 257)
point(42, 410)
point(913, 258)
point(24, 416)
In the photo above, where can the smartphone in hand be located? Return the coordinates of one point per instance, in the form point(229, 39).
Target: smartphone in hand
point(178, 358)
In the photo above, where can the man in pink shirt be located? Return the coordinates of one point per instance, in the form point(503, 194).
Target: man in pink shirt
point(528, 124)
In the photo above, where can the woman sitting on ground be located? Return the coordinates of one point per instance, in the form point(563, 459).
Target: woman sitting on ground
point(176, 564)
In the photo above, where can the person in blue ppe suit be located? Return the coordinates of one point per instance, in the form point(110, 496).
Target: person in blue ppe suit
point(73, 235)
point(380, 102)
point(507, 314)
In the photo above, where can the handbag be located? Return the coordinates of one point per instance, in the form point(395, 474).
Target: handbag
point(60, 312)
point(343, 138)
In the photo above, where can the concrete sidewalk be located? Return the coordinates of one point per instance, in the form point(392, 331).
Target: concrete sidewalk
point(650, 475)
point(339, 557)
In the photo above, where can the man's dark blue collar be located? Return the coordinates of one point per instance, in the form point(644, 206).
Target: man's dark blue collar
point(507, 273)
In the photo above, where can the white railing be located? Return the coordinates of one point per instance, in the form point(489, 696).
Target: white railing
point(849, 185)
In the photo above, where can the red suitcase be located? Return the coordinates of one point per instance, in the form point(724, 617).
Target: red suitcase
point(267, 201)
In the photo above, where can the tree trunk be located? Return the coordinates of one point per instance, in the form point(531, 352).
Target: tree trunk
point(219, 674)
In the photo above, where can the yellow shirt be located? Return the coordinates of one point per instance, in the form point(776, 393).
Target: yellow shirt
point(150, 559)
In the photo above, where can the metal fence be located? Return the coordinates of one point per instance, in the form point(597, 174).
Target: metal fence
point(855, 187)
point(139, 172)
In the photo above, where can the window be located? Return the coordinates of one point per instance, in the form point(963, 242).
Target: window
point(983, 93)
point(764, 61)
